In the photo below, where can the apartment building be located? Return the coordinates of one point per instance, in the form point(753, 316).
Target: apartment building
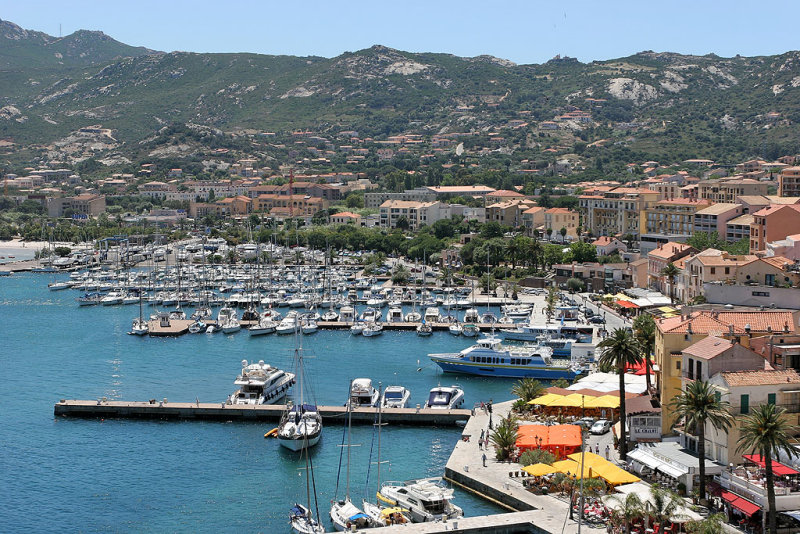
point(738, 228)
point(508, 213)
point(533, 219)
point(558, 218)
point(789, 182)
point(673, 216)
point(773, 223)
point(156, 190)
point(283, 206)
point(617, 211)
point(346, 217)
point(662, 256)
point(86, 204)
point(715, 218)
point(727, 189)
point(420, 194)
point(675, 334)
point(711, 265)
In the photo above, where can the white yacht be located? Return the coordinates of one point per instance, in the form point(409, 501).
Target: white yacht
point(330, 316)
point(303, 522)
point(260, 383)
point(264, 326)
point(472, 316)
point(372, 329)
point(470, 330)
point(413, 317)
point(300, 427)
point(394, 315)
point(309, 326)
point(424, 329)
point(288, 325)
point(139, 327)
point(425, 499)
point(113, 298)
point(445, 398)
point(432, 315)
point(358, 328)
point(371, 315)
point(363, 394)
point(347, 314)
point(395, 397)
point(455, 329)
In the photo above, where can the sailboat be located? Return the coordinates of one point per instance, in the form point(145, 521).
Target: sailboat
point(383, 516)
point(140, 326)
point(301, 424)
point(300, 517)
point(344, 513)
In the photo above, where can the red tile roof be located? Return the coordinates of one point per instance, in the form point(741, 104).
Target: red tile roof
point(719, 323)
point(761, 378)
point(708, 347)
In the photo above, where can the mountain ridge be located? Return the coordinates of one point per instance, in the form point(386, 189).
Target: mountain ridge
point(681, 99)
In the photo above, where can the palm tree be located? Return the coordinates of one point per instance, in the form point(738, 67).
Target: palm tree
point(527, 389)
point(644, 328)
point(620, 350)
point(710, 525)
point(627, 510)
point(664, 505)
point(504, 437)
point(670, 272)
point(767, 431)
point(697, 405)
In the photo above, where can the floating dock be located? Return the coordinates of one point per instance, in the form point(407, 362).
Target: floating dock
point(221, 411)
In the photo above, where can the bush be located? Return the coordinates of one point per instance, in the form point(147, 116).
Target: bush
point(536, 456)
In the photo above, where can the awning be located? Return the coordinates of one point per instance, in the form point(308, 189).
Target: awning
point(656, 465)
point(670, 470)
point(539, 470)
point(626, 304)
point(777, 467)
point(606, 401)
point(746, 507)
point(546, 399)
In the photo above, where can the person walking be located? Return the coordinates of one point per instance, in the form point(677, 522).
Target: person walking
point(608, 451)
point(489, 407)
point(484, 459)
point(597, 448)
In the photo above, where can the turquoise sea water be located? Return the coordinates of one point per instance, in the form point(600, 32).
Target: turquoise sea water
point(143, 476)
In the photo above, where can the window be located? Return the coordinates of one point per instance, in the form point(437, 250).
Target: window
point(678, 365)
point(771, 398)
point(744, 404)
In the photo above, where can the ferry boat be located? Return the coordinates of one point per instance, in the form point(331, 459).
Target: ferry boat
point(260, 383)
point(533, 332)
point(488, 357)
point(425, 499)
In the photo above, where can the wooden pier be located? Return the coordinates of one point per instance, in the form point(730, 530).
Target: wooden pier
point(220, 411)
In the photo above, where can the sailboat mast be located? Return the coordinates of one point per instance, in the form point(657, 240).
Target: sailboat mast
point(349, 427)
point(380, 408)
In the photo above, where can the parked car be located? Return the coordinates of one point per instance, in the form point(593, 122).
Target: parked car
point(588, 313)
point(586, 422)
point(600, 427)
point(597, 319)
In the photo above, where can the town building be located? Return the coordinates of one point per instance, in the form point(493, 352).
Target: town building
point(773, 223)
point(662, 256)
point(789, 182)
point(674, 334)
point(346, 217)
point(86, 204)
point(673, 217)
point(711, 265)
point(727, 189)
point(606, 246)
point(508, 213)
point(617, 211)
point(715, 218)
point(558, 218)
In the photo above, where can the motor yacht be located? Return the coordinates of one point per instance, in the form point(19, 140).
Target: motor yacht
point(260, 383)
point(395, 397)
point(362, 393)
point(432, 315)
point(424, 329)
point(445, 398)
point(264, 326)
point(370, 315)
point(288, 325)
point(455, 329)
point(347, 314)
point(425, 499)
point(394, 315)
point(469, 330)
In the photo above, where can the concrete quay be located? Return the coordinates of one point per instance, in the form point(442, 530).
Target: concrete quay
point(221, 411)
point(536, 513)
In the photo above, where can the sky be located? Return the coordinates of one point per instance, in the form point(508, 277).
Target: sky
point(524, 32)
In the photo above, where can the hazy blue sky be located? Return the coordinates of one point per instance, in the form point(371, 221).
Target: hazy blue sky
point(523, 31)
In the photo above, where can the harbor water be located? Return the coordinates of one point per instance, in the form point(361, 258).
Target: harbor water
point(145, 476)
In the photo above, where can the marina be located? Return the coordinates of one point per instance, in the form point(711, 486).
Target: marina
point(175, 364)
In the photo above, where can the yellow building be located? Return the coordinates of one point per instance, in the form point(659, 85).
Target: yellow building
point(675, 334)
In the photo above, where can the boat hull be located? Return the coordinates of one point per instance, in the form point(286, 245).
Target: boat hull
point(505, 371)
point(299, 444)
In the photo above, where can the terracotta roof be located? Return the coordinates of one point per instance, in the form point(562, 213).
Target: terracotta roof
point(560, 210)
point(602, 241)
point(346, 214)
point(505, 193)
point(641, 404)
point(744, 220)
point(717, 209)
point(708, 347)
point(761, 378)
point(719, 323)
point(668, 250)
